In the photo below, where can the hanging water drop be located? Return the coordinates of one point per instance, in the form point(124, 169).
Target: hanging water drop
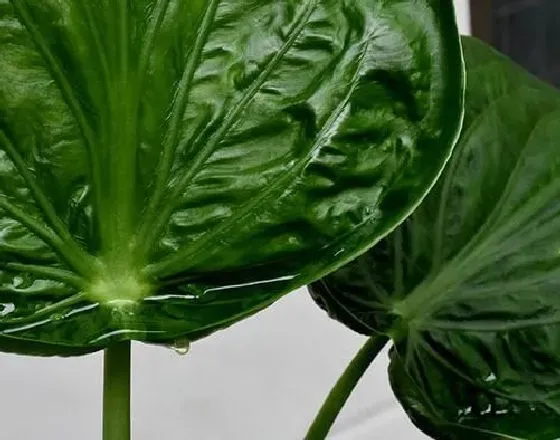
point(181, 346)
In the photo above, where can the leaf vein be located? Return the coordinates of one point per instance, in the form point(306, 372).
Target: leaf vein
point(48, 310)
point(169, 264)
point(230, 120)
point(67, 92)
point(155, 24)
point(171, 139)
point(57, 244)
point(41, 199)
point(489, 326)
point(48, 272)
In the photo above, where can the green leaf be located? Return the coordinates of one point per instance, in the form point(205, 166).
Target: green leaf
point(468, 285)
point(169, 167)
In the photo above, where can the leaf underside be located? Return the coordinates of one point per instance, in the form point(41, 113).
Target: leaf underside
point(468, 286)
point(170, 167)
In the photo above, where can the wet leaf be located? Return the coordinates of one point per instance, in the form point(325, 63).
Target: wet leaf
point(169, 167)
point(468, 286)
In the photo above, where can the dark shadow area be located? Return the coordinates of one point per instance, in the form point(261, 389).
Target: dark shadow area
point(528, 31)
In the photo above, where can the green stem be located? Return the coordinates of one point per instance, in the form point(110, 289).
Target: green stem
point(340, 393)
point(116, 392)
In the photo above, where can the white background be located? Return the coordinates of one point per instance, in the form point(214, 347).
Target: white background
point(263, 379)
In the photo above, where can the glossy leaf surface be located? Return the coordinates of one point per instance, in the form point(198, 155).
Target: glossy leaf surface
point(469, 285)
point(169, 167)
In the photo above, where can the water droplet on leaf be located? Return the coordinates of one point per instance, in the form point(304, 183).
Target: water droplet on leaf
point(122, 312)
point(491, 378)
point(6, 308)
point(57, 317)
point(18, 281)
point(181, 346)
point(116, 315)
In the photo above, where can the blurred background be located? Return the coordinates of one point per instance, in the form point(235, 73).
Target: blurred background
point(528, 31)
point(265, 378)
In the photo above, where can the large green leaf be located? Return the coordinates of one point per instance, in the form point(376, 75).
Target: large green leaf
point(169, 167)
point(469, 285)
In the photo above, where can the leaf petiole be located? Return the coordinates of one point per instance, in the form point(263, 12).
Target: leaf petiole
point(344, 387)
point(116, 392)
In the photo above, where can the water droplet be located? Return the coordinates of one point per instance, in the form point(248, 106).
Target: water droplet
point(122, 311)
point(464, 413)
point(483, 405)
point(516, 409)
point(18, 281)
point(293, 241)
point(6, 308)
point(491, 378)
point(340, 251)
point(181, 346)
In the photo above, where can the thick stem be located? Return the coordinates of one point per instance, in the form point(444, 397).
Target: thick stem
point(116, 392)
point(340, 393)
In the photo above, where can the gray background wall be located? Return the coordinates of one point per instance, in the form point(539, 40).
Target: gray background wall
point(263, 379)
